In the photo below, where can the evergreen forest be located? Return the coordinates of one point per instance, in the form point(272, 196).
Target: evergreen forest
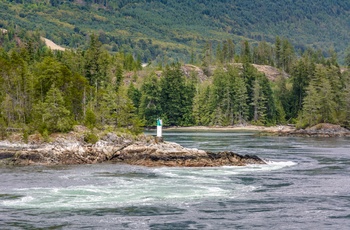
point(50, 91)
point(170, 31)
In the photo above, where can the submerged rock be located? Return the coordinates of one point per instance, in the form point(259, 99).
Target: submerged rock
point(112, 149)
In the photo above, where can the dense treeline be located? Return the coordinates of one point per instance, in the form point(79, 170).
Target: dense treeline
point(51, 91)
point(164, 29)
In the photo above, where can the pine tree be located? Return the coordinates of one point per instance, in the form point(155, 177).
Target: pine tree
point(320, 102)
point(92, 64)
point(135, 95)
point(246, 55)
point(347, 57)
point(219, 54)
point(346, 117)
point(150, 107)
point(258, 103)
point(278, 52)
point(310, 114)
point(176, 96)
point(55, 116)
point(240, 106)
point(287, 56)
point(231, 50)
point(301, 73)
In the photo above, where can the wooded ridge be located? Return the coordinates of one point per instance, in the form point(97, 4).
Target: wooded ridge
point(167, 29)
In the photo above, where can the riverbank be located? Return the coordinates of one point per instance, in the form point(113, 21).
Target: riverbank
point(279, 128)
point(319, 130)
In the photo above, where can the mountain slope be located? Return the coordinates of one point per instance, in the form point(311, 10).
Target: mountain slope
point(156, 27)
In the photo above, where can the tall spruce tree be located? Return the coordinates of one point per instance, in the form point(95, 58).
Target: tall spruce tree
point(52, 114)
point(176, 96)
point(150, 107)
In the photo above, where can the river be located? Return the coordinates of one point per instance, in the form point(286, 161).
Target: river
point(305, 185)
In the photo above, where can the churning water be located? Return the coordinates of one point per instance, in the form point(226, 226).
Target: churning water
point(305, 185)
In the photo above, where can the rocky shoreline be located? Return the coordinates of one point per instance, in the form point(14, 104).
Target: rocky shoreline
point(145, 151)
point(319, 130)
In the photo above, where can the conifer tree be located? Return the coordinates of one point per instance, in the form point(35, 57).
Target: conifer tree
point(246, 55)
point(310, 114)
point(258, 103)
point(55, 116)
point(347, 57)
point(278, 52)
point(176, 96)
point(135, 95)
point(301, 73)
point(150, 107)
point(231, 50)
point(240, 106)
point(92, 65)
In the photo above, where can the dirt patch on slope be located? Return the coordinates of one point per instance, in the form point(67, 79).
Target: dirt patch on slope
point(52, 45)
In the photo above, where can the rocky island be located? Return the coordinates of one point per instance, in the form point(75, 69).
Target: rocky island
point(68, 149)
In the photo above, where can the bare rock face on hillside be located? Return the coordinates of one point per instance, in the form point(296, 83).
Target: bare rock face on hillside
point(191, 70)
point(271, 72)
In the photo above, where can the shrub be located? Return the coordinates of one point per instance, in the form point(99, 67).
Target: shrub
point(91, 138)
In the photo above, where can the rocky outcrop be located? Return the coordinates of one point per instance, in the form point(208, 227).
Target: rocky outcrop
point(112, 148)
point(323, 130)
point(319, 130)
point(174, 155)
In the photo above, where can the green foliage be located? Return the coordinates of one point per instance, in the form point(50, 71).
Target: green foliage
point(25, 134)
point(45, 135)
point(176, 97)
point(50, 91)
point(90, 119)
point(3, 127)
point(91, 138)
point(135, 95)
point(155, 29)
point(322, 98)
point(258, 103)
point(150, 108)
point(52, 114)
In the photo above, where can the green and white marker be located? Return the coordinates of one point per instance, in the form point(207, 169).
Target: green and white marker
point(159, 127)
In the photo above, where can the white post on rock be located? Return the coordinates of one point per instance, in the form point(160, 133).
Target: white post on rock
point(159, 127)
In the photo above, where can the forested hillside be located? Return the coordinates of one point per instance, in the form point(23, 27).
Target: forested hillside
point(169, 30)
point(100, 82)
point(50, 91)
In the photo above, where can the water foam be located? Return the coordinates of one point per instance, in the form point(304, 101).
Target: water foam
point(117, 190)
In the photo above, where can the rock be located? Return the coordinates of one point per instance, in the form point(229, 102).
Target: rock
point(144, 152)
point(319, 130)
point(172, 154)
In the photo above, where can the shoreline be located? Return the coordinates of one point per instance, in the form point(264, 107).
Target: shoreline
point(279, 128)
point(319, 130)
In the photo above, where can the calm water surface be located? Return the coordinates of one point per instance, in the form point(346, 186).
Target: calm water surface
point(305, 185)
